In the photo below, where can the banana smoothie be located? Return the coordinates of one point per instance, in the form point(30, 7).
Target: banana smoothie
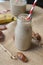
point(23, 33)
point(18, 7)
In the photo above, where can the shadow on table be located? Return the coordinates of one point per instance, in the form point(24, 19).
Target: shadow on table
point(35, 46)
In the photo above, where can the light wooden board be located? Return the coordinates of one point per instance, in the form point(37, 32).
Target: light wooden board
point(34, 55)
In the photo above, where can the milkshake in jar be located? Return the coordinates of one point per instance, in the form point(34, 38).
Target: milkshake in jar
point(18, 6)
point(23, 33)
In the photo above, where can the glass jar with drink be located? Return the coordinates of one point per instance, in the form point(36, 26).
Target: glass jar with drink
point(23, 33)
point(18, 6)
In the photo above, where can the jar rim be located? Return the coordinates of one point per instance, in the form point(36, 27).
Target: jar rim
point(23, 16)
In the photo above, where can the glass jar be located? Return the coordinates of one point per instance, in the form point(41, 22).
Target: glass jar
point(23, 33)
point(18, 6)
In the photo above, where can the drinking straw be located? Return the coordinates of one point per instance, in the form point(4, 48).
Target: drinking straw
point(31, 11)
point(16, 0)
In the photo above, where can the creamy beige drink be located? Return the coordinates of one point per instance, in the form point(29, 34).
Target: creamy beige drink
point(18, 7)
point(23, 33)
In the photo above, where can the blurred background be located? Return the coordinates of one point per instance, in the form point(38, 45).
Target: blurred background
point(39, 2)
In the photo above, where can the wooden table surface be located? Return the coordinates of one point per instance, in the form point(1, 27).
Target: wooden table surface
point(35, 55)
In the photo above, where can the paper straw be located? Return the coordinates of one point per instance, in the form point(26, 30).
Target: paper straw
point(31, 11)
point(16, 0)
